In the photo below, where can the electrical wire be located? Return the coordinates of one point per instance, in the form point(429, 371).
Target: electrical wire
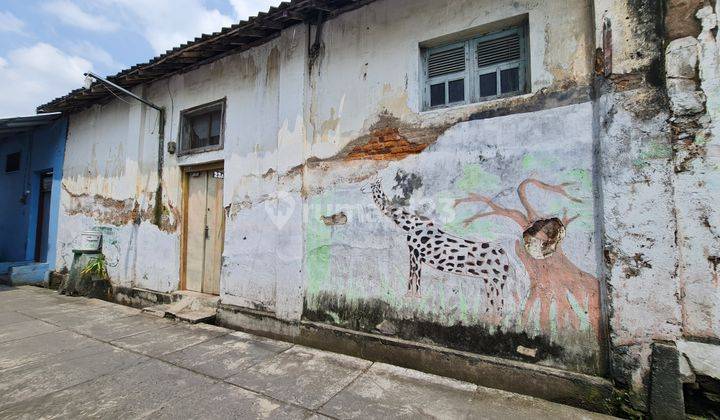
point(114, 94)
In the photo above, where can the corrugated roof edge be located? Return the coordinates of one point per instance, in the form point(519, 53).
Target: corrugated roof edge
point(12, 125)
point(206, 48)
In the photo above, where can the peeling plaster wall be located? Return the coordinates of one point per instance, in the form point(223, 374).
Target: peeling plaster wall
point(262, 263)
point(635, 37)
point(109, 184)
point(606, 153)
point(656, 129)
point(279, 116)
point(693, 86)
point(370, 60)
point(301, 139)
point(638, 218)
point(639, 251)
point(365, 120)
point(111, 167)
point(357, 271)
point(697, 188)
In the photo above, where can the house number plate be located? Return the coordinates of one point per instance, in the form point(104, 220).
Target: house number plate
point(219, 174)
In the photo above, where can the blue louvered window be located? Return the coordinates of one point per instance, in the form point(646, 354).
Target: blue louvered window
point(477, 69)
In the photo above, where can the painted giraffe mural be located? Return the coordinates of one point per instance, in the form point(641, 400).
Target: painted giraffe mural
point(429, 245)
point(554, 279)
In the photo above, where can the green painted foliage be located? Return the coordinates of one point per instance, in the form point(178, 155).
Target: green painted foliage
point(317, 242)
point(475, 178)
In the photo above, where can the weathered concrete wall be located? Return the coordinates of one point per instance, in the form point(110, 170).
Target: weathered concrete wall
point(357, 271)
point(109, 183)
point(262, 262)
point(694, 89)
point(370, 64)
point(340, 111)
point(598, 185)
point(362, 111)
point(656, 130)
point(693, 72)
point(635, 172)
point(111, 168)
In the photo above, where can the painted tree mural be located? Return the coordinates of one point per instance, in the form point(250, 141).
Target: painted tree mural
point(553, 277)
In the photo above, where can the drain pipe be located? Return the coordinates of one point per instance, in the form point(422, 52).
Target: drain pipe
point(90, 78)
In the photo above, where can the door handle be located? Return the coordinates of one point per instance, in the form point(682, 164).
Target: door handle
point(207, 232)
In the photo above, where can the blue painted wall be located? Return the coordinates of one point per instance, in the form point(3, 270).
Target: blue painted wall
point(42, 149)
point(13, 223)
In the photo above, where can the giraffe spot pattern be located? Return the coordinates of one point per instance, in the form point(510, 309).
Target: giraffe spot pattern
point(433, 247)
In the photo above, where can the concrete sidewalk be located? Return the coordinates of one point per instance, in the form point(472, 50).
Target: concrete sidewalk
point(63, 357)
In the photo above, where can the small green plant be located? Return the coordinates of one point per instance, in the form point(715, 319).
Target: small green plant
point(96, 266)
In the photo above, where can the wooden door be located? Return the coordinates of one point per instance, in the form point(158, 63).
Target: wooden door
point(43, 217)
point(205, 231)
point(215, 232)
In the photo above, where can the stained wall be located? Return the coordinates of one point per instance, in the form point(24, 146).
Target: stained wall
point(111, 177)
point(588, 153)
point(655, 123)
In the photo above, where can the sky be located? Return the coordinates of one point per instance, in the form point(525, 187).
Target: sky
point(47, 45)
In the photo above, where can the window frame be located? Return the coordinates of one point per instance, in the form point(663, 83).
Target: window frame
point(472, 71)
point(445, 78)
point(196, 111)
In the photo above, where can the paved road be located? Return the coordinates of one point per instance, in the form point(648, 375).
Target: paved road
point(63, 357)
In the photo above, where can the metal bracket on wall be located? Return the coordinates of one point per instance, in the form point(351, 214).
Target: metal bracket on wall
point(314, 49)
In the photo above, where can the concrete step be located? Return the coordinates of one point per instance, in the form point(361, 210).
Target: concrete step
point(196, 299)
point(29, 274)
point(157, 310)
point(195, 316)
point(189, 307)
point(6, 266)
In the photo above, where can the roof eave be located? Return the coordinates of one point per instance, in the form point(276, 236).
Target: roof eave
point(202, 50)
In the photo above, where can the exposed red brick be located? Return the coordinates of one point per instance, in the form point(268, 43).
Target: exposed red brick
point(386, 144)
